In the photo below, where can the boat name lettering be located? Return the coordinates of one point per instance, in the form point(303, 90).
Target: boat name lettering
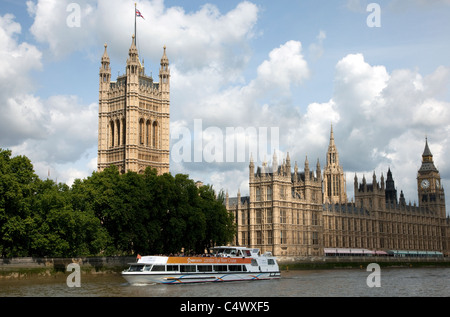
point(211, 260)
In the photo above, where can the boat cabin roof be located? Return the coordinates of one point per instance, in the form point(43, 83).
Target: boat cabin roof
point(220, 251)
point(235, 251)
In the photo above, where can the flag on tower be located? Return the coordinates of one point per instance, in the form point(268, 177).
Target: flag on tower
point(139, 14)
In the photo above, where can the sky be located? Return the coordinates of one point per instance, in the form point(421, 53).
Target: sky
point(273, 75)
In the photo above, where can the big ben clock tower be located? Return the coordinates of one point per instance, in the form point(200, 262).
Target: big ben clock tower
point(430, 190)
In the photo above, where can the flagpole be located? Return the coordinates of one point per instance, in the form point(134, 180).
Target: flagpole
point(135, 23)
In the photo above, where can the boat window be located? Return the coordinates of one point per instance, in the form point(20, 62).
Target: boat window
point(187, 268)
point(254, 263)
point(247, 252)
point(235, 268)
point(271, 262)
point(204, 268)
point(147, 268)
point(136, 268)
point(220, 268)
point(158, 268)
point(172, 268)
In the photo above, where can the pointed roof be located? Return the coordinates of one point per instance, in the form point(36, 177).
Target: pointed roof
point(164, 57)
point(133, 50)
point(105, 57)
point(427, 151)
point(389, 174)
point(427, 160)
point(332, 160)
point(332, 137)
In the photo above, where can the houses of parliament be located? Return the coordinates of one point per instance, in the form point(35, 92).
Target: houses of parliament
point(134, 116)
point(289, 212)
point(306, 212)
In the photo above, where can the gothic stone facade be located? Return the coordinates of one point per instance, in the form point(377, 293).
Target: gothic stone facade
point(134, 114)
point(301, 213)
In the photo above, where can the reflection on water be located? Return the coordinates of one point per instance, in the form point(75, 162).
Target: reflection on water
point(321, 283)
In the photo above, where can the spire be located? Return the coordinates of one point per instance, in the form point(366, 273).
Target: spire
point(164, 57)
point(427, 160)
point(133, 64)
point(164, 63)
point(427, 151)
point(332, 154)
point(105, 71)
point(105, 57)
point(164, 73)
point(332, 136)
point(133, 52)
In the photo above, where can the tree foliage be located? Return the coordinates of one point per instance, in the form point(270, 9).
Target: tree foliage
point(107, 213)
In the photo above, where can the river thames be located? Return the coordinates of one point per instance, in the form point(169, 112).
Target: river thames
point(392, 282)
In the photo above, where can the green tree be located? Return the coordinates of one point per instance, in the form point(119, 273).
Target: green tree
point(17, 186)
point(107, 213)
point(220, 226)
point(98, 195)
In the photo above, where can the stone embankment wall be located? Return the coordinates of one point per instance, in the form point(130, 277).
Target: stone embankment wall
point(46, 266)
point(22, 267)
point(359, 262)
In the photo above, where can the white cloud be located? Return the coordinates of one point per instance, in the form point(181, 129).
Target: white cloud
point(16, 59)
point(55, 130)
point(286, 67)
point(195, 39)
point(53, 24)
point(316, 49)
point(386, 116)
point(20, 110)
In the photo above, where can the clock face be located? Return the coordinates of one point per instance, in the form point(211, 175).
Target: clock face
point(425, 183)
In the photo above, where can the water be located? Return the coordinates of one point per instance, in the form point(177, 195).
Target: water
point(394, 282)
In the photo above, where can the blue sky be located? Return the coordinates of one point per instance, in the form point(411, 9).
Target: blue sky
point(297, 66)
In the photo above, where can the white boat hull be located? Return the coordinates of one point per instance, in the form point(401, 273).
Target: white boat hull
point(180, 278)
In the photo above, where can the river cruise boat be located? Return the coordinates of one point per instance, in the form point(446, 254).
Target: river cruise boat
point(224, 265)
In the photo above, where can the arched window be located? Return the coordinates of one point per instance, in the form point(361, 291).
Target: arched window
point(155, 134)
point(148, 127)
point(141, 131)
point(118, 131)
point(111, 134)
point(124, 135)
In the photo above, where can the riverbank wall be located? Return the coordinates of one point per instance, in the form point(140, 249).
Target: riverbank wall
point(27, 266)
point(336, 262)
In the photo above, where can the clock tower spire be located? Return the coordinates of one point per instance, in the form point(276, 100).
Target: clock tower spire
point(430, 190)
